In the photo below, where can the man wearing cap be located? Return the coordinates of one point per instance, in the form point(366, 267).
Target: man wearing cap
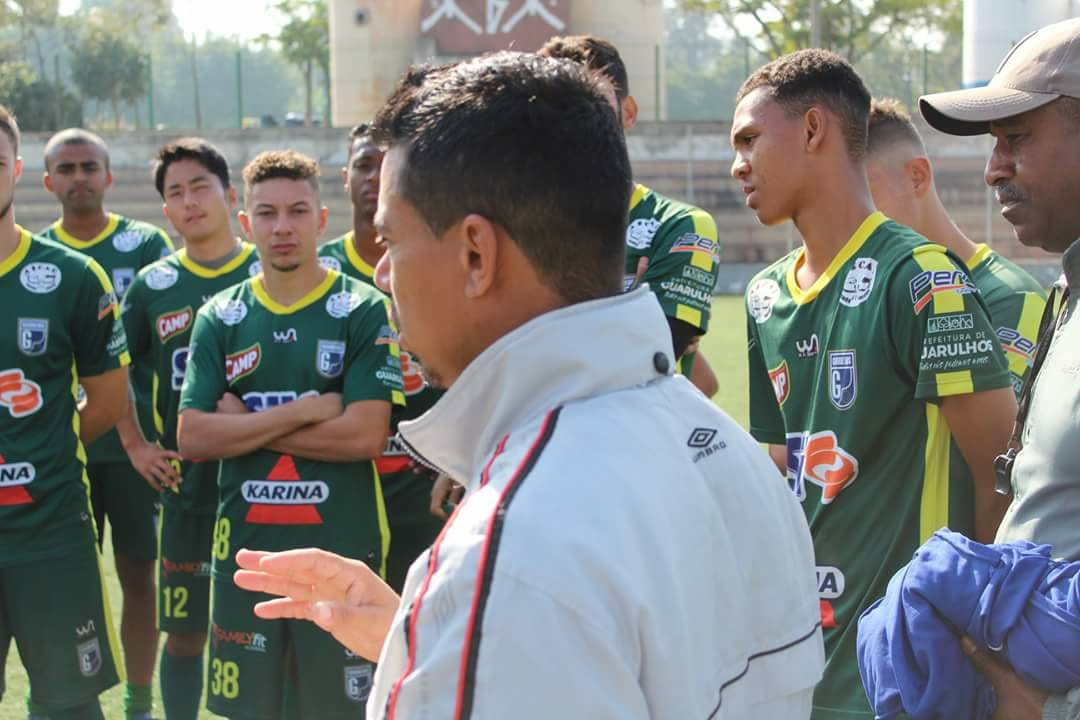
point(1031, 107)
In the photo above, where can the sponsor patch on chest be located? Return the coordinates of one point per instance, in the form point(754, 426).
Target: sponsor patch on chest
point(173, 323)
point(242, 363)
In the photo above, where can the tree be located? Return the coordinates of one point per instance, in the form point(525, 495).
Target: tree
point(106, 66)
point(36, 103)
point(852, 28)
point(304, 41)
point(31, 18)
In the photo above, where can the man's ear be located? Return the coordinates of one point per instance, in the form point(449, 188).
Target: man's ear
point(46, 180)
point(629, 112)
point(816, 125)
point(324, 213)
point(230, 195)
point(479, 255)
point(245, 223)
point(920, 175)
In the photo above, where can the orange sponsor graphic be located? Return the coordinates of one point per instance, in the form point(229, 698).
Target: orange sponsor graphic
point(20, 396)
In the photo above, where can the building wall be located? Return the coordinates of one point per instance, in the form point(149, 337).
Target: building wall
point(373, 41)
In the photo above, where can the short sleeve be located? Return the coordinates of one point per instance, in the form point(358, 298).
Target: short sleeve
point(940, 328)
point(683, 273)
point(96, 329)
point(204, 379)
point(158, 245)
point(133, 315)
point(766, 419)
point(373, 365)
point(1016, 319)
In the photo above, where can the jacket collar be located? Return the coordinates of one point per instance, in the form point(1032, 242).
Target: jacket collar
point(575, 352)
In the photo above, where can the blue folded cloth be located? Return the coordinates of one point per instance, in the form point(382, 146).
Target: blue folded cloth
point(1013, 599)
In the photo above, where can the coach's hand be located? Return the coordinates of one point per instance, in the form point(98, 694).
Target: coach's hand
point(342, 596)
point(1016, 699)
point(445, 493)
point(157, 465)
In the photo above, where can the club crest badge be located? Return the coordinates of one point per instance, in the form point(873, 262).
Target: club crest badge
point(843, 378)
point(33, 336)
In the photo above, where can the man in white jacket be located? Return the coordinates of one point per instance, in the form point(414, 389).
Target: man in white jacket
point(624, 550)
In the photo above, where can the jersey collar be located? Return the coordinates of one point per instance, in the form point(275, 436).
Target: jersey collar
point(70, 240)
point(354, 257)
point(640, 191)
point(852, 246)
point(277, 308)
point(12, 261)
point(204, 272)
point(982, 254)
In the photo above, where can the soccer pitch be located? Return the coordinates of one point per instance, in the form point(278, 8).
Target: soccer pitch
point(725, 348)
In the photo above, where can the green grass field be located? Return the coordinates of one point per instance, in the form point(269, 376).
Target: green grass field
point(725, 348)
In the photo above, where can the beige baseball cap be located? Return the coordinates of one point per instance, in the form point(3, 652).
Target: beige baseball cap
point(1039, 69)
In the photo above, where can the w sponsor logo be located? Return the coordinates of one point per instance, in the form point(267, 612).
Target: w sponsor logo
point(283, 337)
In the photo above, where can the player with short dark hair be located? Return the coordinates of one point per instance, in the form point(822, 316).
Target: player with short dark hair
point(62, 324)
point(902, 184)
point(670, 245)
point(407, 485)
point(867, 345)
point(77, 173)
point(289, 382)
point(159, 312)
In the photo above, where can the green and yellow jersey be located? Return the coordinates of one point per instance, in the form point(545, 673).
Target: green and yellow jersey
point(332, 340)
point(123, 248)
point(681, 244)
point(848, 374)
point(62, 322)
point(159, 314)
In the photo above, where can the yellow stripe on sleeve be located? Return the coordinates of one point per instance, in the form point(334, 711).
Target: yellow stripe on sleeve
point(932, 258)
point(704, 226)
point(688, 314)
point(384, 521)
point(1028, 327)
point(934, 503)
point(954, 383)
point(397, 397)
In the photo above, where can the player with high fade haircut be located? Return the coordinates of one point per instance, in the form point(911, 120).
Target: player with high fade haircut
point(671, 245)
point(902, 183)
point(77, 172)
point(61, 324)
point(192, 177)
point(289, 382)
point(406, 485)
point(866, 345)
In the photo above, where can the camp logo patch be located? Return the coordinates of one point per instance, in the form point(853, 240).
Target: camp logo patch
point(173, 323)
point(760, 299)
point(859, 282)
point(127, 240)
point(340, 305)
point(641, 232)
point(243, 363)
point(231, 312)
point(781, 382)
point(161, 277)
point(330, 358)
point(33, 336)
point(40, 277)
point(843, 378)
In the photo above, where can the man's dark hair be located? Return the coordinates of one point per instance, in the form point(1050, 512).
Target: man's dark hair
point(594, 53)
point(75, 136)
point(529, 143)
point(287, 164)
point(189, 148)
point(805, 78)
point(359, 133)
point(10, 127)
point(890, 124)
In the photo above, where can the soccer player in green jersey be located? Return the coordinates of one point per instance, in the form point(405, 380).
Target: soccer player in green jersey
point(407, 486)
point(866, 345)
point(77, 173)
point(902, 183)
point(62, 327)
point(671, 245)
point(289, 383)
point(159, 312)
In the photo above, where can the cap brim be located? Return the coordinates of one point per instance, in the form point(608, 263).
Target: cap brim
point(970, 112)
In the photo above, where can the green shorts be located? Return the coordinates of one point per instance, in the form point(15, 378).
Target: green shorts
point(412, 526)
point(58, 613)
point(252, 661)
point(184, 572)
point(119, 493)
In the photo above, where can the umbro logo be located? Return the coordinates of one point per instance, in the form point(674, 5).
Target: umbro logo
point(701, 437)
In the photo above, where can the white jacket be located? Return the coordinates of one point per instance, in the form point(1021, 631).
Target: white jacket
point(624, 549)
